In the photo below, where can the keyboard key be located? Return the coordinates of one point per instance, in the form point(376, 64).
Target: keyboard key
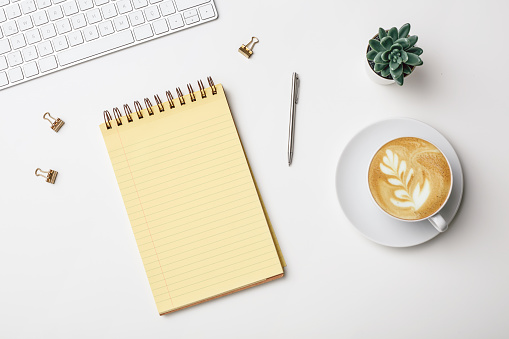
point(55, 13)
point(25, 23)
point(100, 2)
point(167, 8)
point(43, 3)
point(15, 74)
point(90, 33)
point(75, 38)
point(10, 28)
point(13, 11)
point(192, 20)
point(70, 7)
point(40, 18)
point(106, 28)
point(45, 48)
point(185, 4)
point(124, 6)
point(136, 18)
point(63, 26)
point(121, 23)
point(96, 47)
point(2, 15)
point(4, 2)
point(48, 31)
point(5, 46)
point(3, 63)
point(29, 53)
point(30, 69)
point(189, 13)
point(206, 11)
point(160, 26)
point(94, 16)
point(3, 79)
point(14, 58)
point(85, 4)
point(175, 21)
point(48, 63)
point(33, 36)
point(140, 3)
point(152, 13)
point(28, 6)
point(78, 21)
point(109, 11)
point(60, 43)
point(18, 41)
point(143, 32)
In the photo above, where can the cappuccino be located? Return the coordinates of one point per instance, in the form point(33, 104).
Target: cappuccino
point(409, 178)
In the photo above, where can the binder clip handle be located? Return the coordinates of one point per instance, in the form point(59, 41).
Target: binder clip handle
point(254, 40)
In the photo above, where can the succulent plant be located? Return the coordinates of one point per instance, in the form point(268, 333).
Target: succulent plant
point(394, 53)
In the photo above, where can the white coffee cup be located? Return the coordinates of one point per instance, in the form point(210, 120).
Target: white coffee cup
point(436, 218)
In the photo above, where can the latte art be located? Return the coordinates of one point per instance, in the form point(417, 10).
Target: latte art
point(409, 178)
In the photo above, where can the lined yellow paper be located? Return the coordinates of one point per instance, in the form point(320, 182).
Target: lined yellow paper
point(192, 202)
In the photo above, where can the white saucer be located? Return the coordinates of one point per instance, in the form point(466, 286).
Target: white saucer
point(354, 195)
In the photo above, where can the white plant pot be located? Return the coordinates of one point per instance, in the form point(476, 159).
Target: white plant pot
point(377, 78)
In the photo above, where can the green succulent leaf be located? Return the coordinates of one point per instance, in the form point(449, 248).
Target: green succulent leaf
point(404, 30)
point(415, 50)
point(393, 65)
point(379, 67)
point(413, 60)
point(404, 56)
point(385, 55)
point(387, 42)
point(378, 59)
point(393, 33)
point(404, 42)
point(371, 54)
point(413, 40)
point(399, 80)
point(386, 71)
point(375, 44)
point(396, 46)
point(398, 72)
point(407, 69)
point(382, 33)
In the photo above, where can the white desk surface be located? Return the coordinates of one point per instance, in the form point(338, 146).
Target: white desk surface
point(69, 266)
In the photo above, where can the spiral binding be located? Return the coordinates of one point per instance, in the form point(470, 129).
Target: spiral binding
point(117, 114)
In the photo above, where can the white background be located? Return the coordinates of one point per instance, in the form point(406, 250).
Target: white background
point(69, 266)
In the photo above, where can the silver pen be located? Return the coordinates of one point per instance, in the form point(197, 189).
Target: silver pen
point(293, 106)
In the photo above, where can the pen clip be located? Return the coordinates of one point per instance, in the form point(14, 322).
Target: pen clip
point(296, 86)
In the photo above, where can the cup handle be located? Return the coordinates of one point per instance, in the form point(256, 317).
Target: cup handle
point(439, 223)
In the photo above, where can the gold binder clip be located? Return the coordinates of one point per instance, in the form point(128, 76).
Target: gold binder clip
point(57, 124)
point(50, 176)
point(247, 50)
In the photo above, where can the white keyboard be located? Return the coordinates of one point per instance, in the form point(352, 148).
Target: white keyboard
point(38, 37)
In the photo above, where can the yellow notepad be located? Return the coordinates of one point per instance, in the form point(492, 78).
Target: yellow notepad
point(199, 222)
